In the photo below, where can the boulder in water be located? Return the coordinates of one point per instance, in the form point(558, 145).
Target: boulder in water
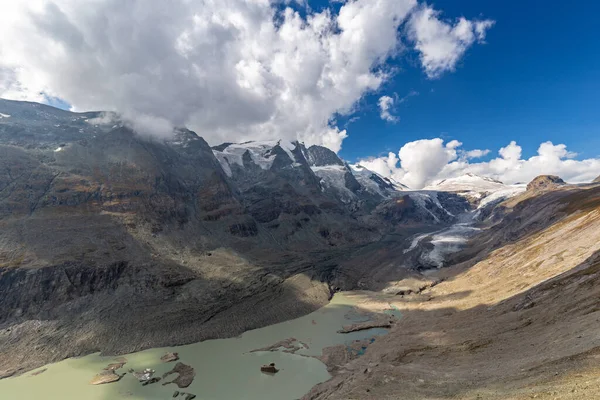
point(186, 375)
point(151, 381)
point(145, 375)
point(269, 368)
point(114, 366)
point(107, 376)
point(170, 357)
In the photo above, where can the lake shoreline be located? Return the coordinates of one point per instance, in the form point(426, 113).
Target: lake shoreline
point(314, 355)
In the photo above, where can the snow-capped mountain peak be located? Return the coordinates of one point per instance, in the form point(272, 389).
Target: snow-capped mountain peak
point(346, 182)
point(262, 153)
point(376, 182)
point(468, 182)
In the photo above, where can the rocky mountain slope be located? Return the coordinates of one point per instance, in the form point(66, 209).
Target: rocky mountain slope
point(114, 241)
point(104, 230)
point(515, 317)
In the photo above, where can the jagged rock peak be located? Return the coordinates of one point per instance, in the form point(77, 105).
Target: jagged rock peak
point(318, 156)
point(260, 153)
point(543, 182)
point(366, 176)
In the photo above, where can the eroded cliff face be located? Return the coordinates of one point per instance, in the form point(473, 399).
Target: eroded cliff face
point(103, 231)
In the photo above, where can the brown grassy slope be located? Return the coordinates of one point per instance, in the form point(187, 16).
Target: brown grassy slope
point(521, 323)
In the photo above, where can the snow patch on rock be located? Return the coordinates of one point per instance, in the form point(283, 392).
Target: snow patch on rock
point(501, 195)
point(260, 152)
point(368, 179)
point(334, 177)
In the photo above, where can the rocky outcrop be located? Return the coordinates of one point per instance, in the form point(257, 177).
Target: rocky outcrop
point(320, 156)
point(544, 182)
point(382, 321)
point(115, 366)
point(269, 368)
point(597, 180)
point(108, 376)
point(185, 378)
point(170, 357)
point(289, 345)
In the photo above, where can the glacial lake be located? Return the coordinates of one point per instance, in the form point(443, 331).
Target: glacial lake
point(226, 369)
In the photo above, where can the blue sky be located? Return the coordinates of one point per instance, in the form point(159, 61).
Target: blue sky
point(536, 79)
point(510, 77)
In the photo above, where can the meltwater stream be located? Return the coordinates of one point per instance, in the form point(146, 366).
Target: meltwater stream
point(225, 369)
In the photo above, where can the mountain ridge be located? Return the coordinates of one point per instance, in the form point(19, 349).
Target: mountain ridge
point(114, 242)
point(149, 234)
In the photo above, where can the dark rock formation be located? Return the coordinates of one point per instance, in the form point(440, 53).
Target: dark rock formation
point(185, 378)
point(151, 381)
point(381, 321)
point(269, 368)
point(320, 156)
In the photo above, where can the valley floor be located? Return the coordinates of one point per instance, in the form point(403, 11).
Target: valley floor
point(522, 322)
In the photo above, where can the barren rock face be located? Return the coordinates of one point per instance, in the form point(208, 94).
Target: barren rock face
point(597, 180)
point(543, 182)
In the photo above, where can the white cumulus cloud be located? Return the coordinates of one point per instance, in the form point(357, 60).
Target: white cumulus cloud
point(386, 104)
point(477, 153)
point(442, 44)
point(231, 69)
point(422, 162)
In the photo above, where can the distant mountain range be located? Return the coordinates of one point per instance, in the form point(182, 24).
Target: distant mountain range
point(105, 230)
point(94, 216)
point(468, 182)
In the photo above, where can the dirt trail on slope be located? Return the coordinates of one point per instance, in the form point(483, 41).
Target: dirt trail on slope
point(521, 323)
